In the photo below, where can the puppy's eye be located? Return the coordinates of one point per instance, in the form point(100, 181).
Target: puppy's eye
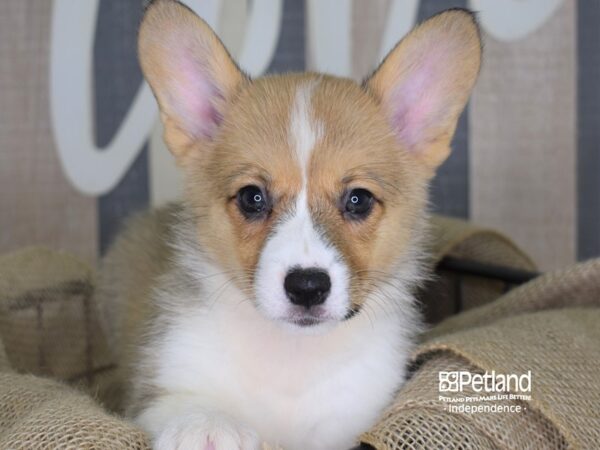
point(252, 201)
point(358, 203)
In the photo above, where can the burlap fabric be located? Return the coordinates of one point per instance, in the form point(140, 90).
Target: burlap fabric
point(49, 328)
point(450, 293)
point(550, 326)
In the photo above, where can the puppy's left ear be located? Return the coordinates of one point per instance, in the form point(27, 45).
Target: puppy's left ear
point(425, 81)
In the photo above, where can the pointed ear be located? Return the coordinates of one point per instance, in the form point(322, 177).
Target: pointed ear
point(190, 72)
point(425, 81)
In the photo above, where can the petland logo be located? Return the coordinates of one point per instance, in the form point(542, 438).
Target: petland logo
point(458, 381)
point(471, 393)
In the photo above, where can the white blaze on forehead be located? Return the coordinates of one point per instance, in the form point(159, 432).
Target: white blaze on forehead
point(304, 130)
point(296, 242)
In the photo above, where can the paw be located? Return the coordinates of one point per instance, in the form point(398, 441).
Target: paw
point(203, 432)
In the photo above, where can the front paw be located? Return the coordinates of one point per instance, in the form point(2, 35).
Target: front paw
point(203, 432)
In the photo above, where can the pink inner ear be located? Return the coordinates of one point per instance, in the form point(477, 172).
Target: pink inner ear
point(194, 97)
point(417, 103)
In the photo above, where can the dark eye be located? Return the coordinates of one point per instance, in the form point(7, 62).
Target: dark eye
point(252, 201)
point(358, 203)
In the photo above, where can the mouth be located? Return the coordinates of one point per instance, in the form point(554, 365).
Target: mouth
point(317, 316)
point(306, 322)
point(310, 318)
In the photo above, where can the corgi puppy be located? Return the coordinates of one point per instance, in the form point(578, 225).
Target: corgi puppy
point(273, 305)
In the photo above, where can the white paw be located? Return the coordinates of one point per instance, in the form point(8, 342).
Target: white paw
point(203, 432)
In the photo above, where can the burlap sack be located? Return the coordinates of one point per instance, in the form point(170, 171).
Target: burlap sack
point(48, 327)
point(49, 324)
point(37, 413)
point(449, 293)
point(550, 326)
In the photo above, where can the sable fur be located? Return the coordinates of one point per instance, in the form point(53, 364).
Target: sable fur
point(210, 362)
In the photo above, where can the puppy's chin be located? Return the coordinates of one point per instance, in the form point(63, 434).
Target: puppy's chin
point(298, 320)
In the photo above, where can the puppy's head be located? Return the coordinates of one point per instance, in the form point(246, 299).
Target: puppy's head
point(308, 189)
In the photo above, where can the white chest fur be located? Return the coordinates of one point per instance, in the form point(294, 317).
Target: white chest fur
point(295, 389)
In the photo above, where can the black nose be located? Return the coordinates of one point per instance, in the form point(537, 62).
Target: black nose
point(307, 287)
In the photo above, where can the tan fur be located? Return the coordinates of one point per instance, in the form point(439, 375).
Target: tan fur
point(355, 127)
point(129, 272)
point(425, 40)
point(357, 149)
point(253, 148)
point(177, 21)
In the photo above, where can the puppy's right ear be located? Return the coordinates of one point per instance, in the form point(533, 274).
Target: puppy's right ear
point(190, 72)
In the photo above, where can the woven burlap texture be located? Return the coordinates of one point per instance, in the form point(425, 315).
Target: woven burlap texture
point(550, 327)
point(448, 293)
point(49, 328)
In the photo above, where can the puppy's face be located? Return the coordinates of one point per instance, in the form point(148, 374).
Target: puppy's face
point(309, 196)
point(308, 189)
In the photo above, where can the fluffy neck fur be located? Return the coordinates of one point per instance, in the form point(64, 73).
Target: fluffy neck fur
point(296, 389)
